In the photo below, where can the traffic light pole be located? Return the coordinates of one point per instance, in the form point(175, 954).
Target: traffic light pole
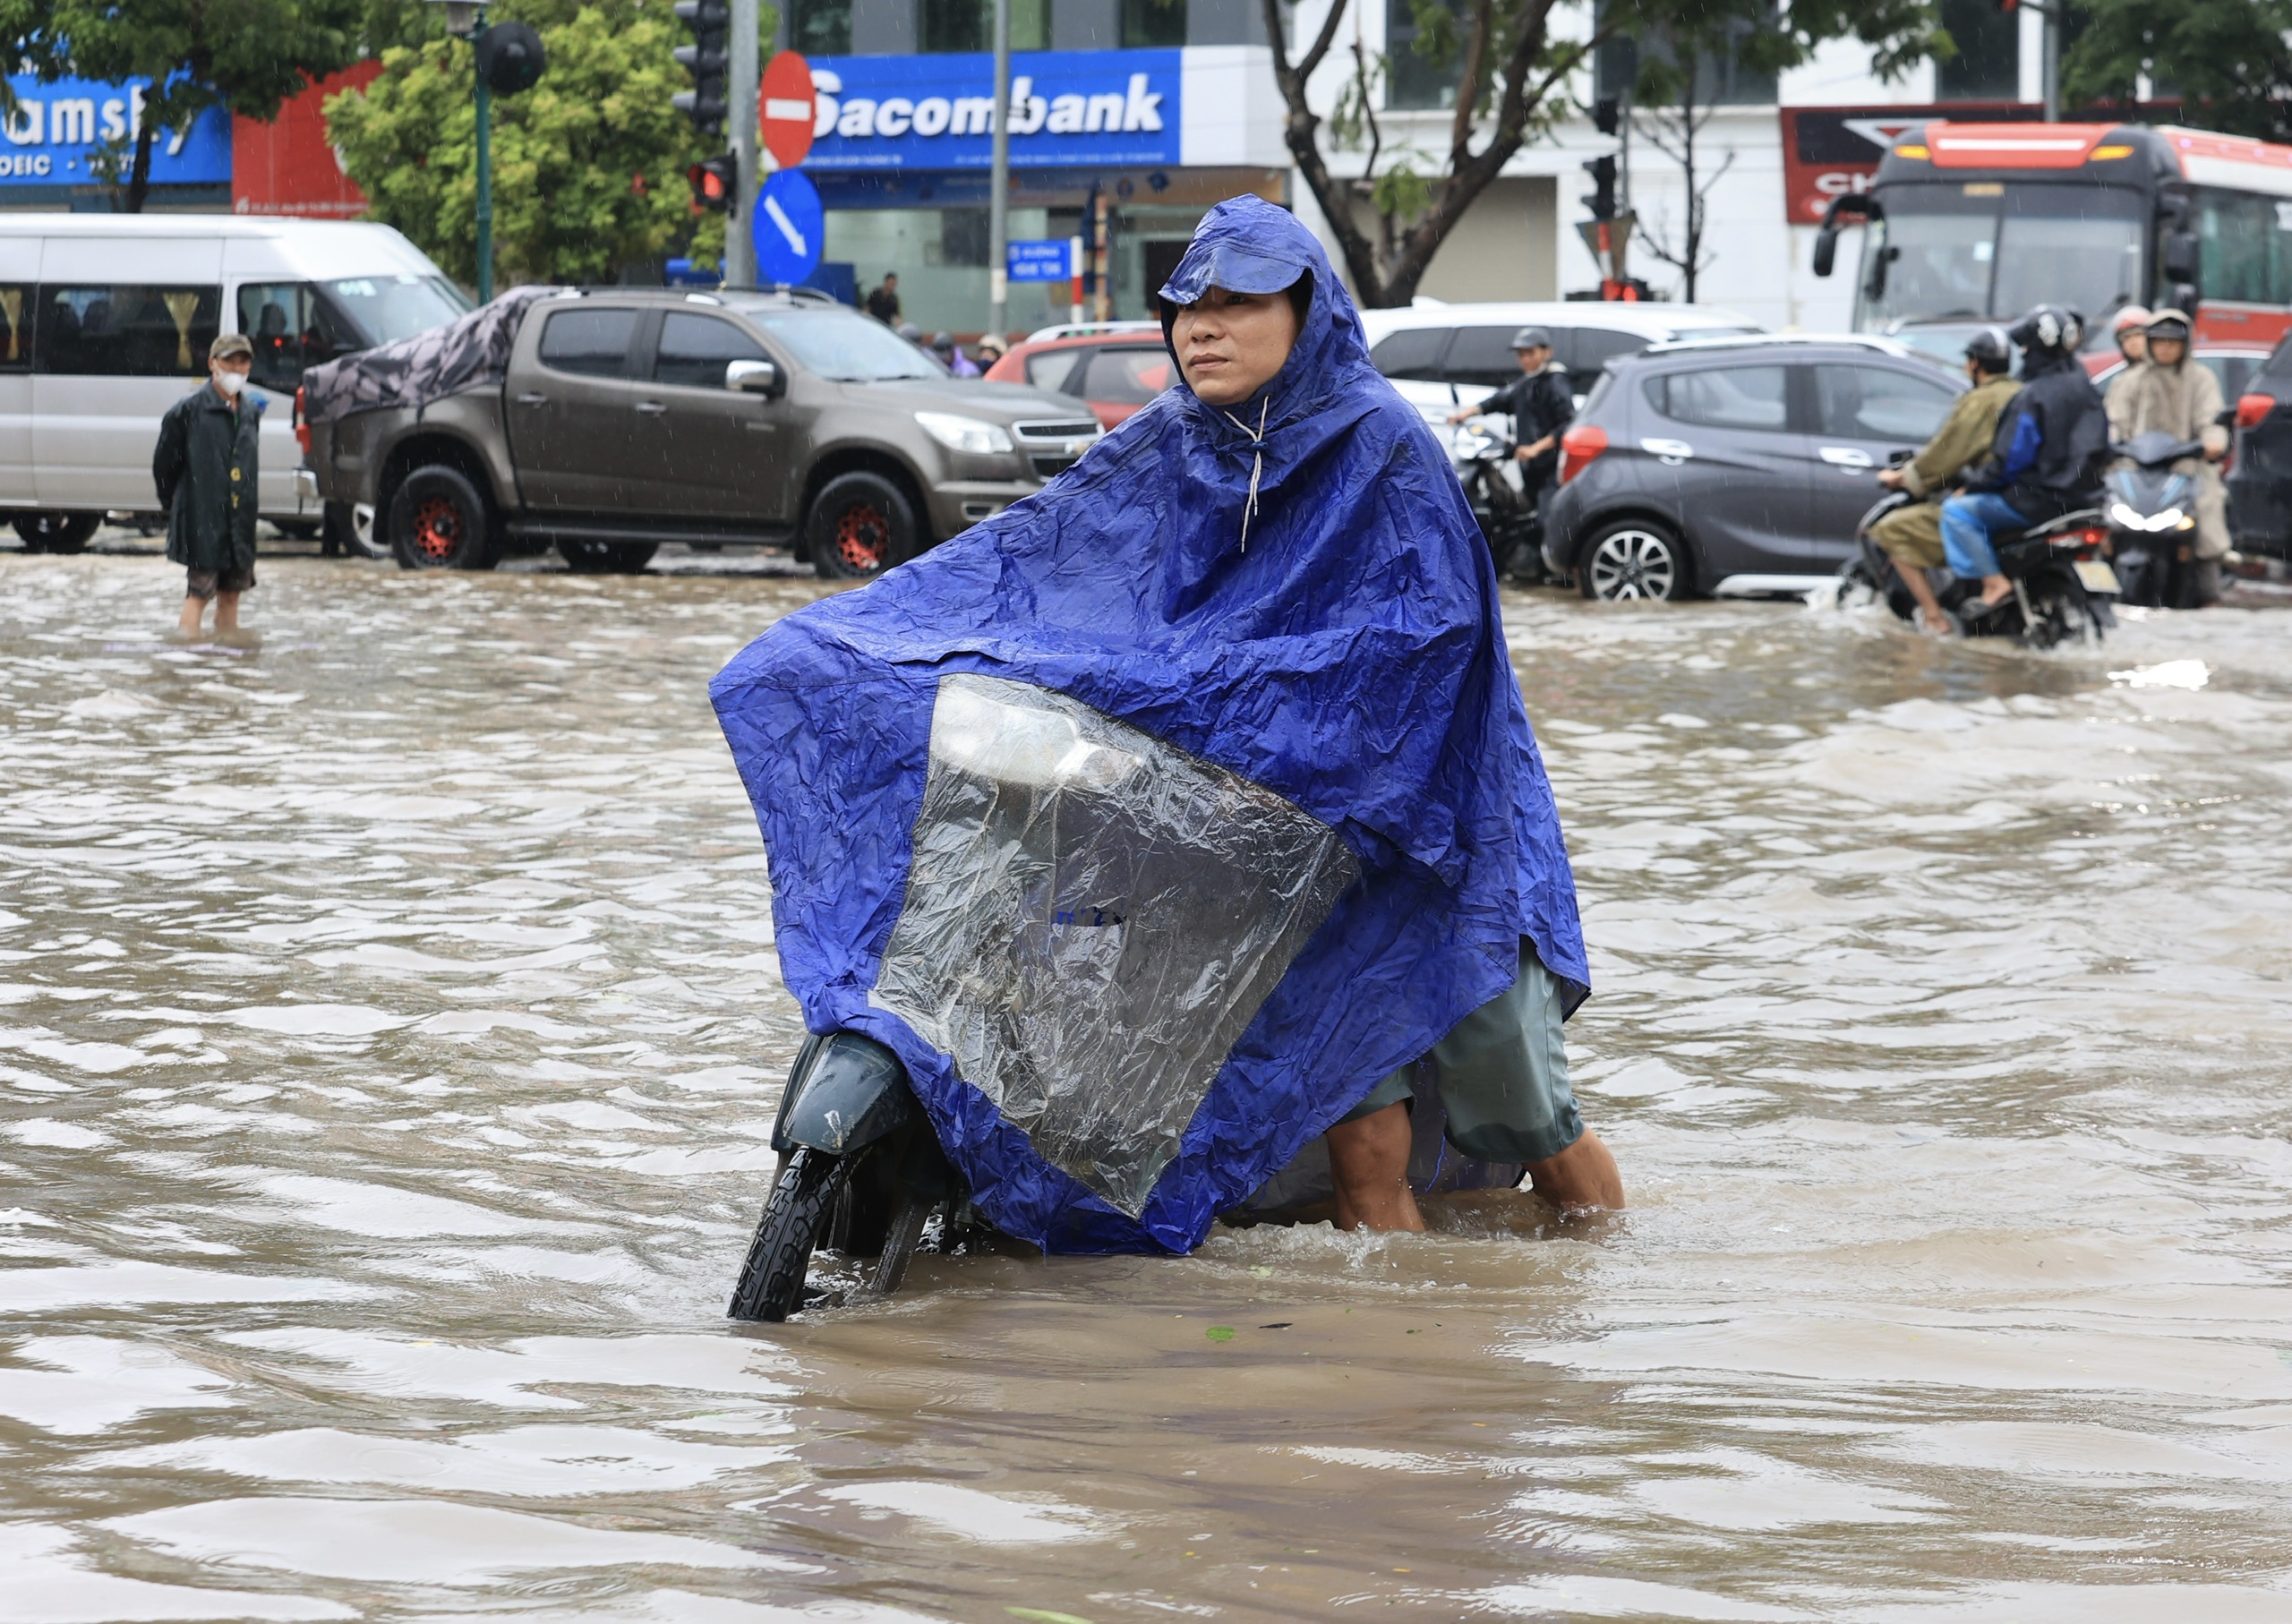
point(741, 74)
point(484, 180)
point(998, 183)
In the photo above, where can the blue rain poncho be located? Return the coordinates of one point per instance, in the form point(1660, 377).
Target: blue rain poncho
point(1150, 849)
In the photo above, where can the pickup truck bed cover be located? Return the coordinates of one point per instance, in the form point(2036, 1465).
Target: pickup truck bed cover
point(470, 351)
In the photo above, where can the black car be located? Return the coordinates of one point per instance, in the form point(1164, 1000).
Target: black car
point(2260, 473)
point(1734, 466)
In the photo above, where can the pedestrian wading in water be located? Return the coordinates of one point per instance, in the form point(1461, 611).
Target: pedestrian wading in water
point(204, 468)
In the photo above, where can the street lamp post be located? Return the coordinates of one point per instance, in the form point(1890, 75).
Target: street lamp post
point(466, 20)
point(998, 183)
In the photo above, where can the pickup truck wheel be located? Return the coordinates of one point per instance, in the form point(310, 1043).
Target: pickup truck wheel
point(56, 531)
point(860, 525)
point(439, 520)
point(606, 558)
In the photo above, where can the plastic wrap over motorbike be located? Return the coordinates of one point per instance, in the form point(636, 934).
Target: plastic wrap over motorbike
point(1091, 919)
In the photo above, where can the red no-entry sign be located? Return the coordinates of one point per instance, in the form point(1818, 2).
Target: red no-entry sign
point(784, 109)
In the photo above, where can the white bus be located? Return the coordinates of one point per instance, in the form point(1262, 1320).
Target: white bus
point(105, 322)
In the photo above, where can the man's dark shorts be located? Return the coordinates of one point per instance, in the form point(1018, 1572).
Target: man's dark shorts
point(204, 583)
point(1504, 1073)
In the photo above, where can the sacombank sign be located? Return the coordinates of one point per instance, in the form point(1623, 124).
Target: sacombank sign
point(56, 132)
point(937, 112)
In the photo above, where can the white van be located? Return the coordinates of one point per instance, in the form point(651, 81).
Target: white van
point(105, 322)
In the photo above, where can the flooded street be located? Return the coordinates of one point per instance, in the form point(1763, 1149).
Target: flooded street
point(389, 1028)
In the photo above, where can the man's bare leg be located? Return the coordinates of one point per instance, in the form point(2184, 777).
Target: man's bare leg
point(1930, 617)
point(1368, 1162)
point(226, 612)
point(1996, 589)
point(187, 623)
point(1579, 1179)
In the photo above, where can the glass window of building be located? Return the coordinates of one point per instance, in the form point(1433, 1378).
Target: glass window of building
point(1424, 47)
point(1988, 66)
point(1722, 80)
point(1147, 23)
point(819, 27)
point(954, 25)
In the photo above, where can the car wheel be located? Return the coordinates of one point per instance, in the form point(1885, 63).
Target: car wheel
point(606, 558)
point(53, 532)
point(1635, 558)
point(439, 520)
point(860, 525)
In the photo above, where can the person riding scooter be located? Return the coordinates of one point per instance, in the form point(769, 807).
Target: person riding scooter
point(2171, 394)
point(2130, 329)
point(2045, 459)
point(1252, 638)
point(1539, 403)
point(1911, 535)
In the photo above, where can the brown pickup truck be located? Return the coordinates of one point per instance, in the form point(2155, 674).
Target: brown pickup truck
point(606, 423)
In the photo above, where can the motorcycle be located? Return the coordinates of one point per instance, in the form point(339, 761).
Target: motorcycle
point(2152, 514)
point(2063, 584)
point(1483, 457)
point(1095, 917)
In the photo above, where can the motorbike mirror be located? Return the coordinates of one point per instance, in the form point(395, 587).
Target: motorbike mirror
point(1826, 250)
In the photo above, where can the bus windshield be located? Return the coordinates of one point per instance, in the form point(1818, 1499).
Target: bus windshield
point(1977, 250)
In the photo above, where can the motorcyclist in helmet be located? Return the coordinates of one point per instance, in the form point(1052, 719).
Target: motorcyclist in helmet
point(2130, 327)
point(1538, 401)
point(2044, 461)
point(2174, 394)
point(1911, 535)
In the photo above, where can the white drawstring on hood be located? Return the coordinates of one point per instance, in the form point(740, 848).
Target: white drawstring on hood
point(1257, 463)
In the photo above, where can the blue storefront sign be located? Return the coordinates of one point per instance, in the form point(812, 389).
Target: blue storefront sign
point(1040, 260)
point(58, 130)
point(937, 111)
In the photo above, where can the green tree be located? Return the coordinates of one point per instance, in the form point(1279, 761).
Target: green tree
point(2227, 60)
point(588, 165)
point(248, 56)
point(1513, 73)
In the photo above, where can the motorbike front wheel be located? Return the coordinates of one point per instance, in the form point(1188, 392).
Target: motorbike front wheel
point(771, 1285)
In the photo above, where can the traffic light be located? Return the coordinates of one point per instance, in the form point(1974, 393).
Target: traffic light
point(1601, 199)
point(1607, 115)
point(707, 59)
point(715, 183)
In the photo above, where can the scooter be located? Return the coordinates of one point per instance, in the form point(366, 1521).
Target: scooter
point(2063, 583)
point(1506, 509)
point(2151, 514)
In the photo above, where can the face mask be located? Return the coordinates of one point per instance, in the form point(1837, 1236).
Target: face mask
point(230, 384)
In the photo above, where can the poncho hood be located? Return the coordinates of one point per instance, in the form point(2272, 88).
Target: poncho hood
point(1350, 659)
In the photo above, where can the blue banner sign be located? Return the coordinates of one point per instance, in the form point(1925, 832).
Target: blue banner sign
point(1039, 259)
point(57, 131)
point(937, 111)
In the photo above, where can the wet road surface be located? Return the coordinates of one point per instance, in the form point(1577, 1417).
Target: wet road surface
point(389, 1025)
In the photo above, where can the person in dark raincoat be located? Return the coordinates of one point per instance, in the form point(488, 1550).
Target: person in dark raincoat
point(204, 468)
point(1272, 568)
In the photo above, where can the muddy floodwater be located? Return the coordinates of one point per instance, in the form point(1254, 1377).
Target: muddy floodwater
point(389, 1028)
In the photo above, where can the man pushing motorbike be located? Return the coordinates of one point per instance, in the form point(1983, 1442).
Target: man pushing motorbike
point(2045, 459)
point(1912, 536)
point(1269, 827)
point(2171, 394)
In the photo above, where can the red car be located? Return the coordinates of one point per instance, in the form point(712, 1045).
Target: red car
point(1113, 372)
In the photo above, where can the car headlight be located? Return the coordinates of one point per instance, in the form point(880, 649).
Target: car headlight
point(965, 434)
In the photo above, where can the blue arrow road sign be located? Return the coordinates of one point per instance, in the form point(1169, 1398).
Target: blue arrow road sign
point(1038, 259)
point(788, 226)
